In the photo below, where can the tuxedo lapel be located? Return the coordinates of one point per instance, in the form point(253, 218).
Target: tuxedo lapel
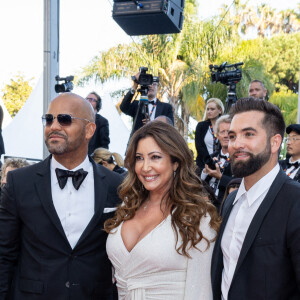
point(159, 108)
point(43, 187)
point(259, 217)
point(217, 259)
point(297, 176)
point(100, 200)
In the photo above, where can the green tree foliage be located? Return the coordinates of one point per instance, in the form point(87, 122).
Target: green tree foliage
point(287, 101)
point(281, 58)
point(182, 60)
point(262, 19)
point(16, 93)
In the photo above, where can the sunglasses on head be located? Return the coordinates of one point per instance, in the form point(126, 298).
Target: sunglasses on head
point(62, 119)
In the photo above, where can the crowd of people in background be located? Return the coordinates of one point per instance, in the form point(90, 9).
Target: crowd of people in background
point(85, 224)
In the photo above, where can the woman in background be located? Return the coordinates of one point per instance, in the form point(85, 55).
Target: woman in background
point(161, 237)
point(112, 161)
point(205, 140)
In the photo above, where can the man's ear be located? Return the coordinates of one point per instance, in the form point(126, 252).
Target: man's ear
point(275, 143)
point(265, 92)
point(90, 130)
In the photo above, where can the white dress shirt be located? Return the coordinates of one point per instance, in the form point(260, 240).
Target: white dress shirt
point(209, 141)
point(150, 107)
point(292, 170)
point(246, 205)
point(75, 208)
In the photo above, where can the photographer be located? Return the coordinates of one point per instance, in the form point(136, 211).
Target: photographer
point(217, 171)
point(155, 107)
point(100, 138)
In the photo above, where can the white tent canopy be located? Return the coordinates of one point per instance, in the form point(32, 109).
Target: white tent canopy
point(23, 137)
point(6, 116)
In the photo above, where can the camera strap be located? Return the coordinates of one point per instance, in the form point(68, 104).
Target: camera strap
point(152, 110)
point(215, 140)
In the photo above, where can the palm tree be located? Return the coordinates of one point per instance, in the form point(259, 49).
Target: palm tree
point(174, 57)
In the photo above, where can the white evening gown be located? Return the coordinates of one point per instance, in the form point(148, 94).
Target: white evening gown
point(153, 270)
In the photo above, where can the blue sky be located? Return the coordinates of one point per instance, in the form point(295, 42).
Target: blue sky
point(86, 28)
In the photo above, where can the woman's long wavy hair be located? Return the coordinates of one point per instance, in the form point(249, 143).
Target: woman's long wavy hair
point(186, 198)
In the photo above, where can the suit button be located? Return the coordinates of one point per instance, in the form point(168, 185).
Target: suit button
point(68, 284)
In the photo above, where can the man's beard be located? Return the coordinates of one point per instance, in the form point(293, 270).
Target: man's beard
point(251, 165)
point(58, 148)
point(55, 147)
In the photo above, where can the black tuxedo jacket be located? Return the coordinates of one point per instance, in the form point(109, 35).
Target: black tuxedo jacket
point(225, 179)
point(268, 267)
point(101, 135)
point(283, 164)
point(131, 108)
point(36, 259)
point(202, 152)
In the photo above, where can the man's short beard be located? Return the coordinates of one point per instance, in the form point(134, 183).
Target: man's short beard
point(55, 147)
point(254, 163)
point(58, 148)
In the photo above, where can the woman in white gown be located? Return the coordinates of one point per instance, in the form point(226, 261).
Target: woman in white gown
point(161, 238)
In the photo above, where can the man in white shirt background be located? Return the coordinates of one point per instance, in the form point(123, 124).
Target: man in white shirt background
point(291, 165)
point(52, 245)
point(257, 252)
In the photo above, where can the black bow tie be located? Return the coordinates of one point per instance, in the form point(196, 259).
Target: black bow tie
point(152, 102)
point(77, 177)
point(223, 156)
point(295, 165)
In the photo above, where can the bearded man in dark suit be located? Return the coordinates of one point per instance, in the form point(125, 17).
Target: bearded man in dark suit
point(257, 252)
point(52, 245)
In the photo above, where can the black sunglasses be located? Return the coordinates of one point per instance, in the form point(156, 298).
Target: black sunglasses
point(62, 119)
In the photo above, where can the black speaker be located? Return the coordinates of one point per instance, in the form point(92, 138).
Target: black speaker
point(149, 17)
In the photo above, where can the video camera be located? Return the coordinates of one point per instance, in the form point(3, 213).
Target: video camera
point(229, 78)
point(65, 87)
point(145, 80)
point(219, 73)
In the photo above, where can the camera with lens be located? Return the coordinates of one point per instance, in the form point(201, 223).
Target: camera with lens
point(66, 86)
point(211, 162)
point(229, 75)
point(145, 80)
point(225, 76)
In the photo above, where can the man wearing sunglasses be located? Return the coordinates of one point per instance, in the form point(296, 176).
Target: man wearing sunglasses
point(291, 165)
point(52, 245)
point(100, 138)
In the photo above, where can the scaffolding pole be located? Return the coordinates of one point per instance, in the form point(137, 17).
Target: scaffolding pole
point(51, 55)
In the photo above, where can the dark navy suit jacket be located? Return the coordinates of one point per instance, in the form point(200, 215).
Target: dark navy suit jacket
point(268, 266)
